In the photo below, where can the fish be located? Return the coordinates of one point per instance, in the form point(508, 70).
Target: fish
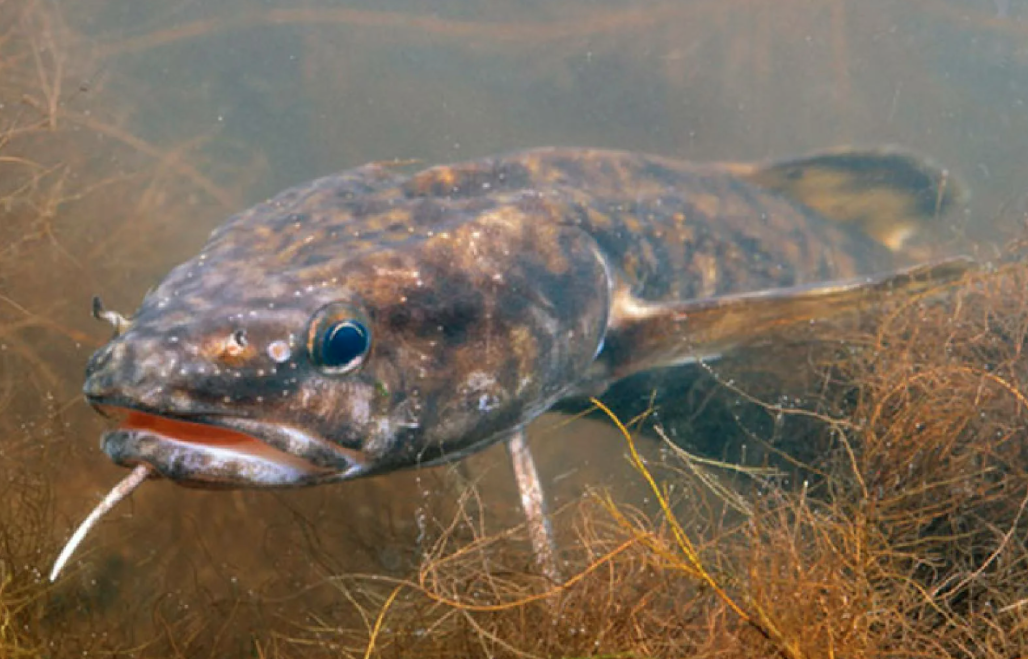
point(382, 319)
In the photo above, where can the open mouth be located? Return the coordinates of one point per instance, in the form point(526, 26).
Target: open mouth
point(210, 451)
point(224, 451)
point(184, 431)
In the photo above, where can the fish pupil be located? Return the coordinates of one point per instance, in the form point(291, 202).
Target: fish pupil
point(344, 343)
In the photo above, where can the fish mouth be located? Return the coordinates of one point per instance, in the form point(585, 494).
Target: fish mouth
point(223, 451)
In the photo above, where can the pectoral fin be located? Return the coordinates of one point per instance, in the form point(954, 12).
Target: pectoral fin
point(644, 336)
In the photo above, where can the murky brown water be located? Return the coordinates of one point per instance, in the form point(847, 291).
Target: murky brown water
point(128, 130)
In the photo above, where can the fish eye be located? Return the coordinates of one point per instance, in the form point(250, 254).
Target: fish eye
point(338, 340)
point(343, 343)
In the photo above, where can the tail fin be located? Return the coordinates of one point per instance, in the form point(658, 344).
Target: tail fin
point(890, 194)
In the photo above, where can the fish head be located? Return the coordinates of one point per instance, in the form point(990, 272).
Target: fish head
point(228, 389)
point(283, 370)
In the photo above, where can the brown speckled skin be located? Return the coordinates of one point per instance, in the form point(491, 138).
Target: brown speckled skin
point(488, 287)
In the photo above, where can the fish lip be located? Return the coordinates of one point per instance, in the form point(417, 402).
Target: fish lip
point(292, 441)
point(284, 457)
point(108, 403)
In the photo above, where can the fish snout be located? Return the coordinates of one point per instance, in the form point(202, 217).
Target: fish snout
point(120, 369)
point(102, 370)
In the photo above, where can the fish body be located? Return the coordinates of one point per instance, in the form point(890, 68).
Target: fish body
point(377, 320)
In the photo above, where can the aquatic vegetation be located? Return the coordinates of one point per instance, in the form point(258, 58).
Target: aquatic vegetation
point(26, 516)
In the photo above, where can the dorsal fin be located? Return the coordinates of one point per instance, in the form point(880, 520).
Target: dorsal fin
point(890, 194)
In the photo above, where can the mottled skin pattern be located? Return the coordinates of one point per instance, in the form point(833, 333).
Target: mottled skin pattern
point(489, 287)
